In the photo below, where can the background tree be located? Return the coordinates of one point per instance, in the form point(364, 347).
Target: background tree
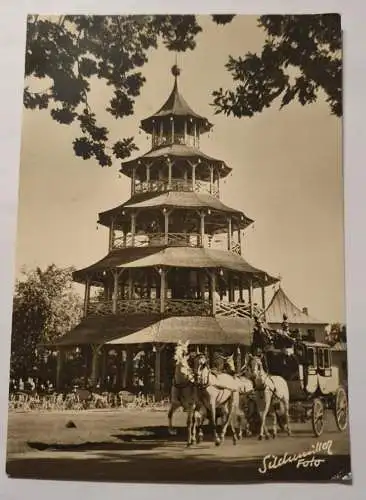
point(301, 56)
point(45, 307)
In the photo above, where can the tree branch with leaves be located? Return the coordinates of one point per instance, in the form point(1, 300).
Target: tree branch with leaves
point(301, 56)
point(70, 50)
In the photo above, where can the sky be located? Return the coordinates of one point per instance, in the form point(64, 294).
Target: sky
point(287, 175)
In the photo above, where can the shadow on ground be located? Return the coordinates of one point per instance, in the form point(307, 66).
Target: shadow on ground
point(151, 454)
point(108, 466)
point(147, 438)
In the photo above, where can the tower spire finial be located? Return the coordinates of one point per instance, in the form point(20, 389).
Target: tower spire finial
point(175, 68)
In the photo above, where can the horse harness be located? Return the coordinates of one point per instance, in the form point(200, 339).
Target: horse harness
point(273, 391)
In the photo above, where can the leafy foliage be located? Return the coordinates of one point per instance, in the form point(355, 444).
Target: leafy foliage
point(70, 50)
point(301, 56)
point(45, 307)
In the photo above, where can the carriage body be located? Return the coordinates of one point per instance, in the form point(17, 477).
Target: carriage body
point(314, 382)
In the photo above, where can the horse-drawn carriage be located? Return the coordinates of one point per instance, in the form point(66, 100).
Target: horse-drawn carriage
point(284, 376)
point(314, 382)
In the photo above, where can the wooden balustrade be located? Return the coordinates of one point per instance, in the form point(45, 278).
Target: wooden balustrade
point(158, 239)
point(168, 139)
point(172, 307)
point(187, 307)
point(138, 306)
point(236, 248)
point(176, 185)
point(174, 240)
point(100, 307)
point(235, 309)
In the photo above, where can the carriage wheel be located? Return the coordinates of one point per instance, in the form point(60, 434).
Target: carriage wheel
point(317, 417)
point(341, 409)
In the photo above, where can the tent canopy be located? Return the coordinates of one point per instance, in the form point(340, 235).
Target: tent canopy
point(281, 304)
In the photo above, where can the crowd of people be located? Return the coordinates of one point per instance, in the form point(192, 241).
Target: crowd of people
point(30, 385)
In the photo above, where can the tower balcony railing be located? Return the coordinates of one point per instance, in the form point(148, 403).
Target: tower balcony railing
point(157, 186)
point(175, 240)
point(177, 138)
point(237, 309)
point(158, 240)
point(172, 307)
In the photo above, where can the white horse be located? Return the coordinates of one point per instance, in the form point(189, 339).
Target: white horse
point(216, 391)
point(184, 394)
point(245, 387)
point(272, 396)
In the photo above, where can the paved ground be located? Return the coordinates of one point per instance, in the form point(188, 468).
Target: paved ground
point(134, 445)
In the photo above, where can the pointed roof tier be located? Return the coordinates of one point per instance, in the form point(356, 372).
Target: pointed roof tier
point(117, 330)
point(173, 199)
point(176, 152)
point(178, 257)
point(281, 304)
point(176, 105)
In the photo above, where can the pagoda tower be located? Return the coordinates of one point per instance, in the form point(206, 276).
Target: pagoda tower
point(174, 268)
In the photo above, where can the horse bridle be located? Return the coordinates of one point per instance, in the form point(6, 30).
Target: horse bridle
point(273, 391)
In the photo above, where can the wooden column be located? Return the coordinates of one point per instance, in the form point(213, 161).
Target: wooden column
point(185, 131)
point(130, 284)
point(86, 297)
point(211, 179)
point(153, 135)
point(148, 284)
point(104, 367)
point(218, 182)
point(231, 288)
point(202, 228)
point(133, 228)
point(195, 134)
point(115, 291)
point(250, 292)
point(201, 280)
point(119, 375)
point(239, 237)
point(213, 290)
point(185, 176)
point(157, 373)
point(161, 132)
point(194, 177)
point(125, 231)
point(105, 289)
point(172, 120)
point(241, 298)
point(166, 226)
point(111, 236)
point(147, 173)
point(264, 302)
point(129, 367)
point(133, 181)
point(95, 362)
point(169, 173)
point(162, 290)
point(229, 233)
point(59, 366)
